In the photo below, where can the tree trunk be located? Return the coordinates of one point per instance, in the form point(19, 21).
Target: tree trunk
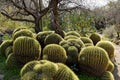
point(38, 25)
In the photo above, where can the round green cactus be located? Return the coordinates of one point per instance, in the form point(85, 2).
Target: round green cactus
point(8, 51)
point(55, 53)
point(71, 37)
point(64, 73)
point(41, 37)
point(110, 67)
point(11, 61)
point(23, 32)
point(95, 37)
point(18, 29)
point(74, 33)
point(86, 41)
point(107, 76)
point(4, 46)
point(108, 46)
point(93, 60)
point(26, 49)
point(63, 42)
point(53, 39)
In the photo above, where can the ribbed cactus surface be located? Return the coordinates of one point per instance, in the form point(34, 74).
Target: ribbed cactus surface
point(86, 41)
point(74, 33)
point(55, 53)
point(110, 67)
point(71, 37)
point(93, 60)
point(26, 49)
point(108, 46)
point(8, 50)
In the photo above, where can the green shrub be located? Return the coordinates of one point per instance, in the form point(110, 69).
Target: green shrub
point(107, 46)
point(5, 44)
point(110, 67)
point(8, 51)
point(53, 39)
point(41, 37)
point(26, 49)
point(95, 37)
point(55, 53)
point(64, 73)
point(93, 60)
point(23, 32)
point(107, 76)
point(74, 33)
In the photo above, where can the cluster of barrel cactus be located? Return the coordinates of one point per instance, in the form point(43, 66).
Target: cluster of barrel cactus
point(47, 54)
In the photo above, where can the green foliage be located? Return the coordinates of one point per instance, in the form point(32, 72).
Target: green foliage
point(107, 46)
point(42, 35)
point(5, 44)
point(55, 53)
point(93, 60)
point(110, 67)
point(95, 37)
point(23, 32)
point(26, 49)
point(87, 77)
point(107, 76)
point(64, 73)
point(74, 33)
point(8, 51)
point(53, 39)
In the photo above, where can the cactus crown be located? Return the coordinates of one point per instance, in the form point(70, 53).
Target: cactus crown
point(74, 33)
point(71, 37)
point(108, 46)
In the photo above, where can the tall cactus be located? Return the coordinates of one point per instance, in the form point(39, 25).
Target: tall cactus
point(4, 46)
point(107, 76)
point(95, 37)
point(26, 49)
point(93, 60)
point(74, 33)
point(108, 46)
point(55, 53)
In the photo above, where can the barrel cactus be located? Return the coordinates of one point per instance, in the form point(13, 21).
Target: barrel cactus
point(95, 37)
point(8, 50)
point(110, 67)
point(55, 53)
point(108, 46)
point(107, 76)
point(70, 37)
point(86, 41)
point(11, 61)
point(41, 37)
point(4, 46)
point(93, 60)
point(18, 29)
point(64, 73)
point(53, 39)
point(26, 49)
point(23, 32)
point(74, 33)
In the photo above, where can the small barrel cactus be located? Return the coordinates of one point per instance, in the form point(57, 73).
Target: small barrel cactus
point(63, 42)
point(4, 46)
point(41, 37)
point(71, 37)
point(53, 39)
point(8, 51)
point(55, 53)
point(107, 76)
point(93, 60)
point(23, 32)
point(26, 49)
point(18, 29)
point(11, 61)
point(74, 33)
point(95, 37)
point(110, 67)
point(87, 41)
point(108, 46)
point(64, 73)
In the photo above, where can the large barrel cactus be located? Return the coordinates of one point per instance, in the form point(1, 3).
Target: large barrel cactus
point(108, 46)
point(4, 46)
point(74, 33)
point(23, 32)
point(107, 76)
point(55, 53)
point(53, 39)
point(95, 37)
point(64, 73)
point(41, 37)
point(93, 60)
point(26, 49)
point(110, 67)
